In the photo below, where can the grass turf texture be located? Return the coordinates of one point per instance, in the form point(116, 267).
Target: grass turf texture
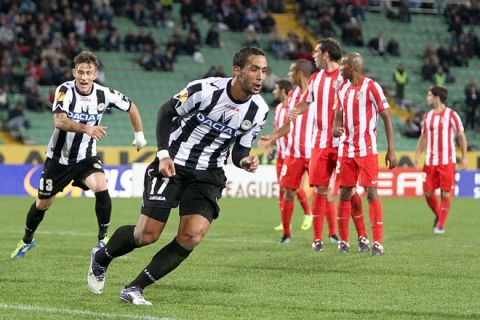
point(241, 272)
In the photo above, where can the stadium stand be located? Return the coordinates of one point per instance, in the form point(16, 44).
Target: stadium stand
point(149, 89)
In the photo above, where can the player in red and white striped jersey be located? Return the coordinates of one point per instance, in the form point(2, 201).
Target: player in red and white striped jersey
point(439, 128)
point(299, 142)
point(280, 92)
point(321, 97)
point(359, 101)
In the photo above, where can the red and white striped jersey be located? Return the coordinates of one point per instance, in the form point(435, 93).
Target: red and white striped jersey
point(300, 137)
point(360, 105)
point(440, 129)
point(322, 88)
point(280, 118)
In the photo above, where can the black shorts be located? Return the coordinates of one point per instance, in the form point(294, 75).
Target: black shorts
point(197, 192)
point(56, 176)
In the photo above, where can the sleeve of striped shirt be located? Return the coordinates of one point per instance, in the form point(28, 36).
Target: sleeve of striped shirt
point(189, 98)
point(377, 96)
point(424, 123)
point(63, 97)
point(308, 97)
point(118, 99)
point(456, 122)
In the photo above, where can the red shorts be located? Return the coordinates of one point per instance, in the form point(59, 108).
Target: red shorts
point(292, 172)
point(364, 170)
point(278, 167)
point(322, 165)
point(442, 176)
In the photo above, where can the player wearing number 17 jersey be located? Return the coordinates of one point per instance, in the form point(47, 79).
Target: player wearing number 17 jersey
point(359, 101)
point(71, 153)
point(440, 125)
point(195, 130)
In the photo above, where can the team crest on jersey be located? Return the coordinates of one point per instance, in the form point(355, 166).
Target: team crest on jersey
point(60, 96)
point(183, 96)
point(246, 125)
point(337, 83)
point(101, 107)
point(359, 95)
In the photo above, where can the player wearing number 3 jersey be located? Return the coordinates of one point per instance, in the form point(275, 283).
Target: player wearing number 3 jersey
point(195, 130)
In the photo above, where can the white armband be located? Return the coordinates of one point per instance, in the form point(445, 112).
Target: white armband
point(163, 154)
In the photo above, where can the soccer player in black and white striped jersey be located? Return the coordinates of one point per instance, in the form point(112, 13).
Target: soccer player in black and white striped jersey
point(195, 130)
point(71, 154)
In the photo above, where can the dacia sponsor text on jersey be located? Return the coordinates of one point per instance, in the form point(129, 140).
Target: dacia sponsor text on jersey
point(80, 116)
point(217, 126)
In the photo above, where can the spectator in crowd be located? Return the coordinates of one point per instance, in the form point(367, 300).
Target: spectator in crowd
point(34, 101)
point(400, 77)
point(250, 37)
point(186, 12)
point(413, 126)
point(472, 101)
point(393, 47)
point(213, 37)
point(377, 45)
point(17, 124)
point(439, 77)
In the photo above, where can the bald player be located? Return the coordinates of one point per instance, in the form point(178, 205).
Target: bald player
point(359, 102)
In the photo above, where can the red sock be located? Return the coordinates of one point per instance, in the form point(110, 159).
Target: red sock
point(319, 206)
point(376, 220)
point(287, 212)
point(302, 197)
point(444, 209)
point(331, 218)
point(433, 204)
point(344, 209)
point(357, 215)
point(281, 196)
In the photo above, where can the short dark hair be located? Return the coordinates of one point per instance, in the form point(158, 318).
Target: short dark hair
point(86, 57)
point(305, 66)
point(244, 53)
point(284, 84)
point(439, 91)
point(332, 47)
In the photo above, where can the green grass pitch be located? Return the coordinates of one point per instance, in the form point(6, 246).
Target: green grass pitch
point(241, 272)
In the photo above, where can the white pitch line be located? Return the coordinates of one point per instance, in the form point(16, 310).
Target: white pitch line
point(83, 313)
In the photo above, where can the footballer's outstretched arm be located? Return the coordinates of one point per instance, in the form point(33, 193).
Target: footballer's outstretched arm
point(63, 122)
point(139, 141)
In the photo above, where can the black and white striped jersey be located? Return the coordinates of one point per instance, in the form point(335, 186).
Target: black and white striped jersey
point(210, 120)
point(72, 147)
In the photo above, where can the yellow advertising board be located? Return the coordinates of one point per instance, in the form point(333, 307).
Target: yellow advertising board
point(17, 154)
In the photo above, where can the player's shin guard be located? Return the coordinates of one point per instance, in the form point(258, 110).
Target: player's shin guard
point(287, 212)
point(444, 209)
point(163, 262)
point(302, 198)
point(34, 217)
point(319, 206)
point(433, 204)
point(103, 209)
point(121, 243)
point(376, 219)
point(344, 212)
point(331, 218)
point(357, 215)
